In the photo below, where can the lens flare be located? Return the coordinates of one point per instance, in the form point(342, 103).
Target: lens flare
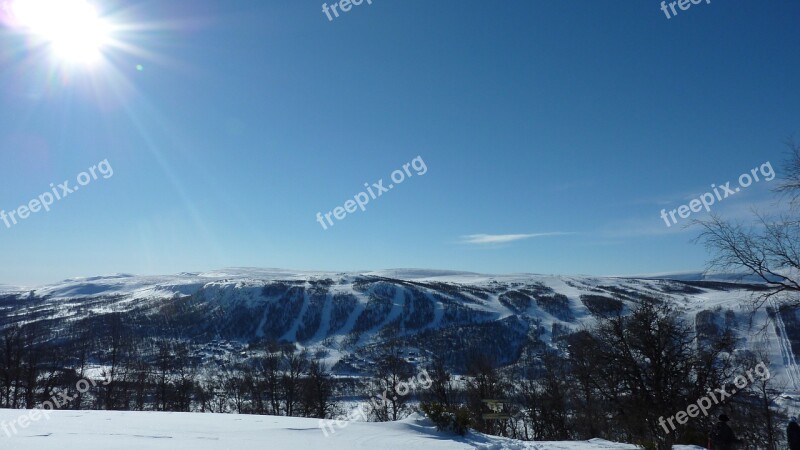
point(73, 29)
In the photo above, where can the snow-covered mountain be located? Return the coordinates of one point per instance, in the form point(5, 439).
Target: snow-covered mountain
point(345, 317)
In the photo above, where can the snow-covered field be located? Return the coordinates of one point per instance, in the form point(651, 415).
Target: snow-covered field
point(105, 430)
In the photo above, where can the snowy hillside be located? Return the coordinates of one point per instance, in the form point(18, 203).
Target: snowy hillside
point(214, 335)
point(347, 316)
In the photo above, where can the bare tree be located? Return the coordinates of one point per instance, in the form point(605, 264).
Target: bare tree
point(317, 391)
point(769, 247)
point(235, 387)
point(442, 388)
point(393, 372)
point(11, 360)
point(162, 373)
point(546, 402)
point(761, 420)
point(295, 365)
point(116, 341)
point(269, 372)
point(646, 365)
point(185, 379)
point(484, 383)
point(791, 185)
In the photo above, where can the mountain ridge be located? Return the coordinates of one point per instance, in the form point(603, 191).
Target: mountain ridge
point(348, 317)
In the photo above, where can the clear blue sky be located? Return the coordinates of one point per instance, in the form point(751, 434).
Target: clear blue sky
point(578, 118)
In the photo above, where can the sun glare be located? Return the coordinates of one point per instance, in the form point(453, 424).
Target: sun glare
point(72, 28)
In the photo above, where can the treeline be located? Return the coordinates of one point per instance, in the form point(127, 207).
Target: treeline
point(619, 381)
point(151, 374)
point(139, 373)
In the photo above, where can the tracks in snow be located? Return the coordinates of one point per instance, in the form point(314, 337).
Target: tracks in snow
point(787, 354)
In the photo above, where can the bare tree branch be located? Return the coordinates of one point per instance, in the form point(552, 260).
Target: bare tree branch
point(769, 248)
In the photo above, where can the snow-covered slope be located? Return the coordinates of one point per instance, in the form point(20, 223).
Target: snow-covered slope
point(346, 315)
point(104, 430)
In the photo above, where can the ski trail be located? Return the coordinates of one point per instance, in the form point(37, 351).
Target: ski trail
point(291, 335)
point(787, 353)
point(325, 322)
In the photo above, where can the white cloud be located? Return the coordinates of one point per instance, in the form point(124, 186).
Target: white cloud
point(488, 239)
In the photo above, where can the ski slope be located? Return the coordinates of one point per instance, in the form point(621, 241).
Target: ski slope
point(241, 289)
point(787, 355)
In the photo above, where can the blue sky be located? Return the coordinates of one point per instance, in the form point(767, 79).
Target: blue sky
point(572, 121)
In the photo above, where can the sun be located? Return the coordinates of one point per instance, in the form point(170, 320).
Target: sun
point(73, 29)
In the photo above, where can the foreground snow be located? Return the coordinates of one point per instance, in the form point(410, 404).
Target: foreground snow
point(103, 430)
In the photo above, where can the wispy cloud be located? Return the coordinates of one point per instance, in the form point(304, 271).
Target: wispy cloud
point(489, 239)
